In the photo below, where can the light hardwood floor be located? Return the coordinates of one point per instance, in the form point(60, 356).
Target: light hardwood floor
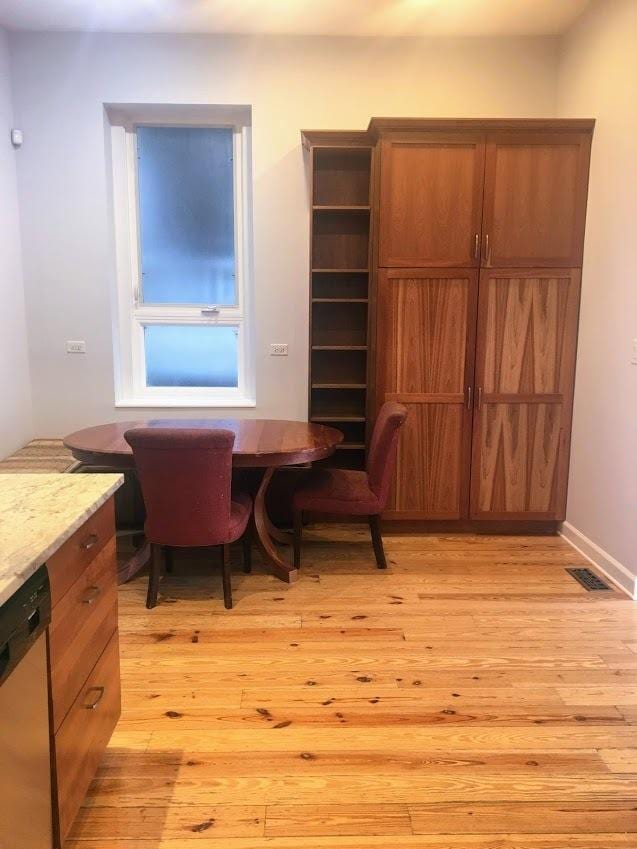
point(474, 696)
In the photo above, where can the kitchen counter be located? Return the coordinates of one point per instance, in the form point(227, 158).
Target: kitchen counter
point(38, 513)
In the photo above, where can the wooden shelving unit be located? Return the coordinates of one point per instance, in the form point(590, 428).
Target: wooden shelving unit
point(339, 290)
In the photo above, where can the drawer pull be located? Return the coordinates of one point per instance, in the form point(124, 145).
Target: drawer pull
point(91, 594)
point(89, 542)
point(99, 691)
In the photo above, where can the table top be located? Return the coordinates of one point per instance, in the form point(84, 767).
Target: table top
point(258, 442)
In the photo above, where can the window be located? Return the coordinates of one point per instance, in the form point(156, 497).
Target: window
point(181, 199)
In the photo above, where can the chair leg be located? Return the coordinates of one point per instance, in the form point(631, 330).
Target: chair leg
point(169, 559)
point(154, 575)
point(227, 585)
point(377, 541)
point(298, 535)
point(247, 549)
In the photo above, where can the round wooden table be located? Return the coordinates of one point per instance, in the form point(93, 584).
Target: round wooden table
point(259, 443)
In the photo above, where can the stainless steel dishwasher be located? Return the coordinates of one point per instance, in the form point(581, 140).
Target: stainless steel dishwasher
point(25, 771)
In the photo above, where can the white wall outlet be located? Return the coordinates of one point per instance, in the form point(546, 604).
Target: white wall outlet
point(633, 359)
point(76, 347)
point(279, 349)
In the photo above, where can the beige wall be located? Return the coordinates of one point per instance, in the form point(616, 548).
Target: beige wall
point(60, 84)
point(598, 77)
point(15, 392)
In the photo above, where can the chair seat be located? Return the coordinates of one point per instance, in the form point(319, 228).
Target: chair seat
point(336, 491)
point(240, 509)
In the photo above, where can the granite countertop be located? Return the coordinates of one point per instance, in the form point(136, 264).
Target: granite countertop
point(39, 512)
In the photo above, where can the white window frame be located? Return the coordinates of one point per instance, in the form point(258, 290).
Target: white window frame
point(132, 315)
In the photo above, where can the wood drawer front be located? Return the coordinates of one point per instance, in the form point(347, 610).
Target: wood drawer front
point(70, 560)
point(84, 734)
point(82, 624)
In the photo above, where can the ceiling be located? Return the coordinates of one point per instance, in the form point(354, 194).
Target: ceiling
point(298, 17)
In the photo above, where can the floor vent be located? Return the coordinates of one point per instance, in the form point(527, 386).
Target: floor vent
point(589, 580)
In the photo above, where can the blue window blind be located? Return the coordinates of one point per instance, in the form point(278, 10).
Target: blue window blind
point(191, 355)
point(186, 215)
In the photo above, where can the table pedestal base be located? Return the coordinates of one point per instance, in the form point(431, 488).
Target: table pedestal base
point(266, 532)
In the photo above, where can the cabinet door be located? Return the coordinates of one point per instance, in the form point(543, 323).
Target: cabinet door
point(424, 356)
point(525, 363)
point(431, 201)
point(535, 199)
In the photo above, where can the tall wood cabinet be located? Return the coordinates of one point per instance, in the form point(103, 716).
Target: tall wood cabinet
point(477, 233)
point(340, 169)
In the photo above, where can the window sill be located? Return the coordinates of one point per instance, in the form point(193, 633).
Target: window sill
point(211, 403)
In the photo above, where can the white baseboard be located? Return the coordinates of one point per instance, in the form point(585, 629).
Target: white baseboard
point(607, 564)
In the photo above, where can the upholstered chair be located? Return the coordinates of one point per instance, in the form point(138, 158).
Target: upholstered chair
point(186, 482)
point(346, 492)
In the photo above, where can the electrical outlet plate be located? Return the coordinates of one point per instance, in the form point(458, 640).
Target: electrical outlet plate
point(76, 346)
point(279, 349)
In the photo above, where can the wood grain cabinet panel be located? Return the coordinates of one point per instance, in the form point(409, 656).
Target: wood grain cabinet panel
point(524, 376)
point(71, 559)
point(83, 660)
point(427, 324)
point(535, 199)
point(431, 201)
point(84, 734)
point(83, 623)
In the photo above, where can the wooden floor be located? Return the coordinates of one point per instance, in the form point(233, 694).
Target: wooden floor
point(474, 696)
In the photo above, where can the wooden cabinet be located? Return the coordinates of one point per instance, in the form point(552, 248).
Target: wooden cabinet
point(426, 323)
point(431, 200)
point(83, 736)
point(339, 288)
point(508, 198)
point(83, 660)
point(525, 366)
point(476, 240)
point(83, 622)
point(535, 199)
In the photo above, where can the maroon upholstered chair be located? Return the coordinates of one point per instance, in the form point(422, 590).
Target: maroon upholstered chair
point(186, 477)
point(353, 493)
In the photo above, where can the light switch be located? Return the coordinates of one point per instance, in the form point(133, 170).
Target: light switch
point(279, 349)
point(76, 346)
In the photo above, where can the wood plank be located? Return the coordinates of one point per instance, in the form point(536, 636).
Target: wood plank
point(607, 695)
point(168, 823)
point(529, 738)
point(496, 841)
point(524, 817)
point(170, 712)
point(332, 820)
point(346, 698)
point(403, 788)
point(201, 768)
point(620, 760)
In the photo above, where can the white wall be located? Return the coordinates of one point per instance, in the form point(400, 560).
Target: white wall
point(60, 84)
point(15, 392)
point(598, 77)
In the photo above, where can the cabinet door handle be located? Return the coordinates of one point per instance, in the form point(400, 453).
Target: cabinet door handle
point(469, 393)
point(91, 594)
point(487, 250)
point(479, 397)
point(476, 248)
point(99, 691)
point(89, 542)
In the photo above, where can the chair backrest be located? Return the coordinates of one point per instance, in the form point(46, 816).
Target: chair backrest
point(186, 477)
point(383, 447)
